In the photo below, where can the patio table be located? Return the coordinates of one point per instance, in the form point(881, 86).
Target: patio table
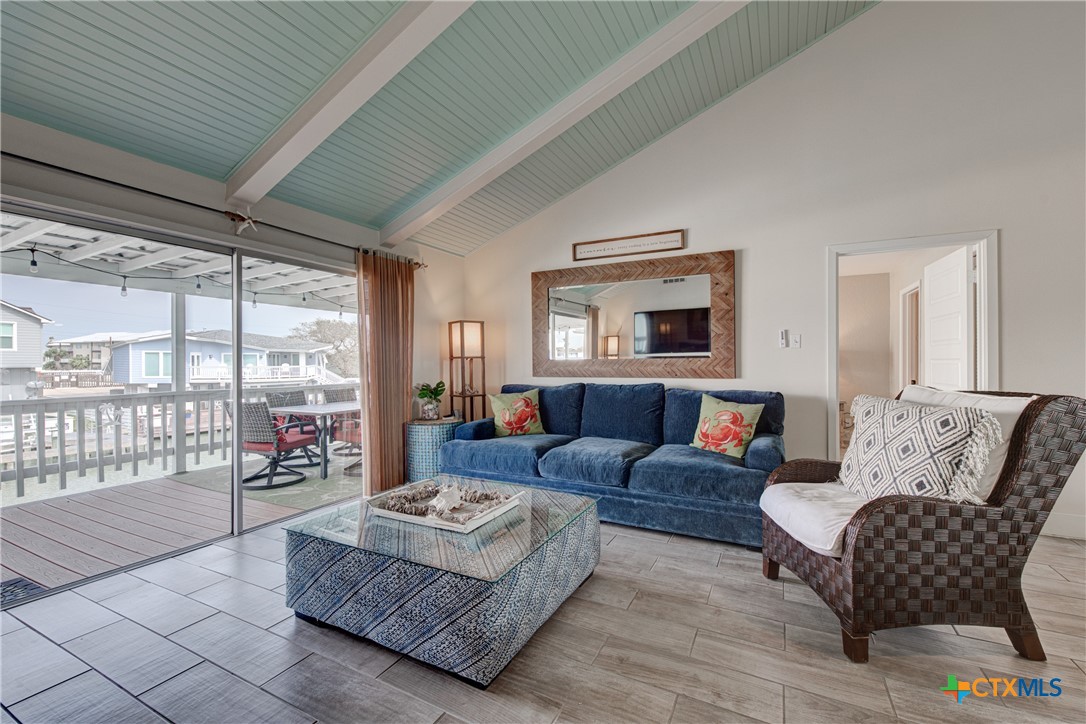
point(322, 412)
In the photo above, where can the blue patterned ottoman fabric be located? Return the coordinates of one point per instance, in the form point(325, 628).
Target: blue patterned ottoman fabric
point(470, 625)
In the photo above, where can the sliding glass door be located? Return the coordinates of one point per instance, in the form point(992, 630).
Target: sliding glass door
point(115, 445)
point(300, 360)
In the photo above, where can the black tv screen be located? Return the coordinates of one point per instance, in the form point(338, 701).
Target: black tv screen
point(672, 332)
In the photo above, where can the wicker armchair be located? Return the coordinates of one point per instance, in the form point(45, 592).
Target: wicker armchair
point(911, 561)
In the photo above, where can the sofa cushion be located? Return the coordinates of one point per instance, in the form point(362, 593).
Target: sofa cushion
point(682, 407)
point(517, 454)
point(815, 514)
point(909, 449)
point(597, 460)
point(1005, 409)
point(559, 406)
point(725, 427)
point(626, 412)
point(516, 413)
point(688, 472)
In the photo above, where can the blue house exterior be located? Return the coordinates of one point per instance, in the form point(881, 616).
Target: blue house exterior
point(148, 362)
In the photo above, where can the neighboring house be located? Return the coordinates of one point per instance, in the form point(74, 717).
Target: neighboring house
point(147, 361)
point(96, 347)
point(20, 349)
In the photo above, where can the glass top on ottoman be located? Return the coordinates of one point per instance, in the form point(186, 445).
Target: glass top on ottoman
point(486, 553)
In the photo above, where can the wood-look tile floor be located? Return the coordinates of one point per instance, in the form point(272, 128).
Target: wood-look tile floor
point(668, 629)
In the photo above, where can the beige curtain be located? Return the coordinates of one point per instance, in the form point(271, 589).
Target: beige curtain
point(386, 303)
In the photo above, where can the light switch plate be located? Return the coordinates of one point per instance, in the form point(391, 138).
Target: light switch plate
point(795, 340)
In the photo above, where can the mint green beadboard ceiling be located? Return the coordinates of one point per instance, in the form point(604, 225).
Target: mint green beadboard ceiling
point(196, 85)
point(201, 85)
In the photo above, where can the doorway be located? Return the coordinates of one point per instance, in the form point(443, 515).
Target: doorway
point(909, 311)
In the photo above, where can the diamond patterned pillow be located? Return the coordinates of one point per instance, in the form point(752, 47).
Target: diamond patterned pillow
point(901, 448)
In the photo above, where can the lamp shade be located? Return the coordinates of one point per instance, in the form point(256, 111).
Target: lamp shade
point(466, 338)
point(610, 346)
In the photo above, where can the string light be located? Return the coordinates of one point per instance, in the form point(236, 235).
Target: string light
point(34, 267)
point(305, 300)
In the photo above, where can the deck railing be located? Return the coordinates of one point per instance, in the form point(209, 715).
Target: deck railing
point(219, 373)
point(83, 435)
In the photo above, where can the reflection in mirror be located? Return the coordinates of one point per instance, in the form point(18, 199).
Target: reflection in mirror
point(635, 319)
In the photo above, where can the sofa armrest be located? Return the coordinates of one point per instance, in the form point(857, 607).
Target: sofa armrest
point(765, 452)
point(805, 470)
point(477, 430)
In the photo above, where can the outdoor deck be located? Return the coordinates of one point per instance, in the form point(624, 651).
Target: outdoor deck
point(60, 540)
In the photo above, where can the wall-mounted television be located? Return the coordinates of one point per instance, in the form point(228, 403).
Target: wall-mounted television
point(672, 333)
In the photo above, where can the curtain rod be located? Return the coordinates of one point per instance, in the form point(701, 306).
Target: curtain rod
point(405, 259)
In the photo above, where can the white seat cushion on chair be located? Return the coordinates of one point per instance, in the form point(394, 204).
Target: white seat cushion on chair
point(815, 514)
point(1006, 410)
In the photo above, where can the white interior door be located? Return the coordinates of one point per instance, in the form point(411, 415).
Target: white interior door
point(948, 322)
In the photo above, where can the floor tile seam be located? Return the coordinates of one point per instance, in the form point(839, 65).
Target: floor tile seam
point(195, 590)
point(769, 651)
point(9, 704)
point(351, 669)
point(239, 678)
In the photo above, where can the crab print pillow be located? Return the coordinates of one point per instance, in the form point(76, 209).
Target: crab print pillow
point(726, 427)
point(516, 414)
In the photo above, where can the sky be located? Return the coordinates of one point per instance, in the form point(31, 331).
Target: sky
point(78, 308)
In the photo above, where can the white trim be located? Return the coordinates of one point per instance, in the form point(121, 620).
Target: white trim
point(987, 244)
point(9, 305)
point(164, 374)
point(905, 343)
point(109, 242)
point(644, 58)
point(27, 233)
point(384, 54)
point(14, 337)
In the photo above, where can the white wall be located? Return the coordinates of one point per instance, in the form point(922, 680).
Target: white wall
point(914, 119)
point(864, 331)
point(439, 299)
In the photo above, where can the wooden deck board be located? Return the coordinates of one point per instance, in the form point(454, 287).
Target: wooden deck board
point(61, 540)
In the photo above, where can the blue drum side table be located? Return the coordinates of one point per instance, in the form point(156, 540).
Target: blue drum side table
point(424, 440)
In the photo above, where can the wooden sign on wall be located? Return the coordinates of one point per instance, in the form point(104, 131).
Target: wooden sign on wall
point(629, 245)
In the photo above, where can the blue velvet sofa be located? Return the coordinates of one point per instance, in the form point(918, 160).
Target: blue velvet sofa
point(629, 447)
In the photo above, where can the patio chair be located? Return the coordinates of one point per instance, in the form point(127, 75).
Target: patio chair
point(346, 427)
point(262, 436)
point(917, 561)
point(308, 423)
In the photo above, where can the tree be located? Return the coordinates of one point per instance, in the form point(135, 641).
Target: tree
point(81, 362)
point(57, 358)
point(343, 336)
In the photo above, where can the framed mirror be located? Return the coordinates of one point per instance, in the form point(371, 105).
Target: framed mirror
point(671, 317)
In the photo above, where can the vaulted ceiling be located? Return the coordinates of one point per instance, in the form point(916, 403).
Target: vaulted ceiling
point(446, 123)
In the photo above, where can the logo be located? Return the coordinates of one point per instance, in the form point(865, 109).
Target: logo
point(1000, 687)
point(955, 688)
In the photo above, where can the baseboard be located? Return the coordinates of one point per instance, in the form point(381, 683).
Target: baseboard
point(1065, 525)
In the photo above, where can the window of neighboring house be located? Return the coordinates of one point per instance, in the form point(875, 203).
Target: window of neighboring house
point(7, 335)
point(157, 364)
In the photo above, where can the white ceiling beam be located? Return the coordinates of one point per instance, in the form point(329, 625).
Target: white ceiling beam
point(391, 47)
point(158, 257)
point(101, 246)
point(332, 283)
point(206, 267)
point(259, 271)
point(288, 280)
point(578, 105)
point(29, 232)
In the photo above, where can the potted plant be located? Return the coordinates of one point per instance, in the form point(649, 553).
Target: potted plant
point(431, 399)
